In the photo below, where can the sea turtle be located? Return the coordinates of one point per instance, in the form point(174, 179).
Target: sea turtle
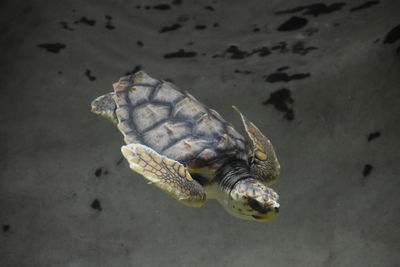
point(188, 150)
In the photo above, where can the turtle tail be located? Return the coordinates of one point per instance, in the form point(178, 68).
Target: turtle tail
point(105, 106)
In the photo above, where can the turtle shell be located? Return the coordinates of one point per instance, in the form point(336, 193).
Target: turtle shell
point(172, 122)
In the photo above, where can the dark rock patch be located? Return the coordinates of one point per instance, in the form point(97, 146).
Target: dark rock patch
point(170, 28)
point(364, 6)
point(314, 9)
point(181, 53)
point(6, 227)
point(134, 70)
point(162, 7)
point(282, 68)
point(98, 172)
point(52, 48)
point(293, 24)
point(89, 75)
point(367, 170)
point(393, 35)
point(96, 205)
point(262, 52)
point(200, 27)
point(281, 47)
point(65, 26)
point(284, 77)
point(243, 71)
point(86, 21)
point(235, 52)
point(300, 48)
point(282, 101)
point(373, 135)
point(109, 25)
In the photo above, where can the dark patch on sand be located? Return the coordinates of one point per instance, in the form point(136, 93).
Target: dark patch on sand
point(367, 170)
point(181, 53)
point(170, 28)
point(89, 75)
point(109, 25)
point(140, 43)
point(281, 47)
point(65, 26)
point(282, 68)
point(284, 77)
point(96, 205)
point(300, 48)
point(98, 172)
point(293, 24)
point(314, 9)
point(162, 7)
point(86, 21)
point(134, 70)
point(373, 135)
point(200, 27)
point(6, 227)
point(282, 101)
point(393, 35)
point(367, 4)
point(209, 8)
point(52, 48)
point(216, 24)
point(243, 71)
point(177, 2)
point(235, 52)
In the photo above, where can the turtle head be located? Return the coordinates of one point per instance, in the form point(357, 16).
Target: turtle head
point(250, 199)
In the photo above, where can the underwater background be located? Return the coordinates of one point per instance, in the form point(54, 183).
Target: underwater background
point(321, 79)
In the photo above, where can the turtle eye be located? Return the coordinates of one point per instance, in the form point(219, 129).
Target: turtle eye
point(255, 205)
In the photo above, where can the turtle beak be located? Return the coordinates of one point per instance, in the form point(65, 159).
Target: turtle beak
point(267, 216)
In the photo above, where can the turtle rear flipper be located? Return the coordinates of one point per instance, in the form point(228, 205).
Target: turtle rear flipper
point(105, 106)
point(167, 174)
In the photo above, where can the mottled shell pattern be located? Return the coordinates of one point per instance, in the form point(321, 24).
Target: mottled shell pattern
point(172, 122)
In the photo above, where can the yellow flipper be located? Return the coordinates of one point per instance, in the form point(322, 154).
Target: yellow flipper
point(265, 165)
point(167, 174)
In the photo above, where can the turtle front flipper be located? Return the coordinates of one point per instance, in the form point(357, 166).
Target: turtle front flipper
point(167, 174)
point(264, 165)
